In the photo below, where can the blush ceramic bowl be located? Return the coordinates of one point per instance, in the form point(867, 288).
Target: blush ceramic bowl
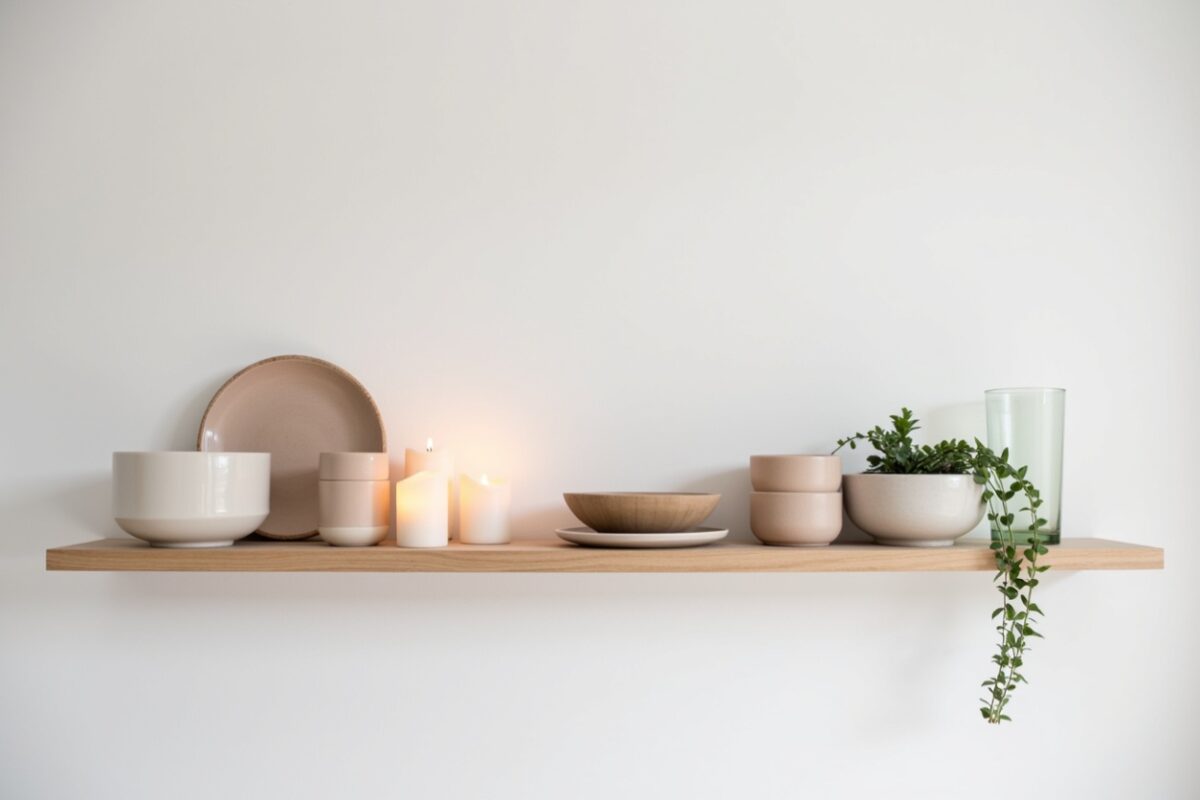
point(641, 512)
point(796, 519)
point(796, 473)
point(188, 499)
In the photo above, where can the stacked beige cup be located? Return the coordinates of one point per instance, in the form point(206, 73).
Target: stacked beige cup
point(797, 500)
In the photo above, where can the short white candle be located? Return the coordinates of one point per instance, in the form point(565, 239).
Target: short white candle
point(422, 511)
point(483, 510)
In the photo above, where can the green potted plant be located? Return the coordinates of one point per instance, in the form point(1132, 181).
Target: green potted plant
point(910, 488)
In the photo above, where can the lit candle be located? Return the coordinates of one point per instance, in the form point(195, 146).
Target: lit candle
point(428, 460)
point(483, 510)
point(439, 461)
point(422, 511)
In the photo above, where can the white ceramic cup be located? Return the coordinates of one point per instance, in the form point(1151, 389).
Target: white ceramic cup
point(191, 499)
point(784, 473)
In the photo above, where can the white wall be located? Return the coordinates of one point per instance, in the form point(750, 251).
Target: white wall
point(597, 245)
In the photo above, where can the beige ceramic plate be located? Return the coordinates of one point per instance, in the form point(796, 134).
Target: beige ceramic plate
point(295, 408)
point(694, 538)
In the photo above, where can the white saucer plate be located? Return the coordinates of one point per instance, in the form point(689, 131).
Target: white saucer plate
point(693, 538)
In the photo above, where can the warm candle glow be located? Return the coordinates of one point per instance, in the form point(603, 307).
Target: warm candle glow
point(483, 510)
point(422, 506)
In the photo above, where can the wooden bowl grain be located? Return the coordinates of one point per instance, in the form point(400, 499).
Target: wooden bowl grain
point(641, 512)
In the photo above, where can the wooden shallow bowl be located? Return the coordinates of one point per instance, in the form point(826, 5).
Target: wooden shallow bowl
point(641, 512)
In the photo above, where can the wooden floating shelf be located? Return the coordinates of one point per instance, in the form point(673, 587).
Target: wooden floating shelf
point(545, 555)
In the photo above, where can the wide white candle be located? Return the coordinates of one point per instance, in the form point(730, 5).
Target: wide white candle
point(439, 461)
point(483, 510)
point(422, 511)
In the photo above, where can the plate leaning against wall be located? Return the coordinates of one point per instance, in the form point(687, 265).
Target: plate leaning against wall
point(295, 408)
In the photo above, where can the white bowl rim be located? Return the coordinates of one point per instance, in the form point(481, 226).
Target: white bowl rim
point(909, 475)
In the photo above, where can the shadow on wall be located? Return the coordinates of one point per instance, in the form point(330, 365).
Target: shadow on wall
point(733, 512)
point(543, 521)
point(178, 429)
point(78, 509)
point(959, 421)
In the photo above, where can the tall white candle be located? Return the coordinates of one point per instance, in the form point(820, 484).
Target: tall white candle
point(428, 460)
point(483, 510)
point(422, 511)
point(439, 461)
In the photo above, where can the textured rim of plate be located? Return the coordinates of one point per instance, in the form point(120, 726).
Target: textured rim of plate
point(320, 362)
point(672, 539)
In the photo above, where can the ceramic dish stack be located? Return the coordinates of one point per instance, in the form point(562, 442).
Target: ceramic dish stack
point(797, 500)
point(641, 519)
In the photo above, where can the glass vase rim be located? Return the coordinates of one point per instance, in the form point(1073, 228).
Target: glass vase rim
point(1026, 389)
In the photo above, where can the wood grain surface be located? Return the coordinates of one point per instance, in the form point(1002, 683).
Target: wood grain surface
point(543, 555)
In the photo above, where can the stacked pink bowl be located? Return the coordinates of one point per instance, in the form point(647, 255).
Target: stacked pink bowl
point(797, 500)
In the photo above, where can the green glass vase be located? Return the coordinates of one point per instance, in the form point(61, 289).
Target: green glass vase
point(1029, 422)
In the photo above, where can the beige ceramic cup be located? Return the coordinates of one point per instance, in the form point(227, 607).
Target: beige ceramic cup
point(797, 519)
point(796, 473)
point(353, 492)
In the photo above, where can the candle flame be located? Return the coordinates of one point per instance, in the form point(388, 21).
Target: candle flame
point(429, 445)
point(483, 479)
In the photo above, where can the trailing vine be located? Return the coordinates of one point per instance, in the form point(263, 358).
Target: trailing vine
point(1017, 568)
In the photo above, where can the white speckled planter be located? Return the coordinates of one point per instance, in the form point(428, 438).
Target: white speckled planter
point(914, 510)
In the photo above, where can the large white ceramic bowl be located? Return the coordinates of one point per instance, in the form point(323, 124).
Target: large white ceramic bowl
point(914, 510)
point(188, 499)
